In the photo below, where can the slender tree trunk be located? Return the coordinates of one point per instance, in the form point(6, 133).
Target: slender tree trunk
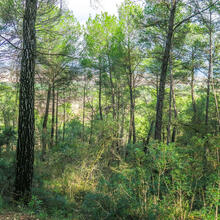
point(64, 115)
point(44, 133)
point(210, 71)
point(132, 132)
point(57, 118)
point(170, 115)
point(160, 98)
point(148, 136)
point(175, 111)
point(53, 116)
point(112, 89)
point(192, 85)
point(100, 94)
point(91, 125)
point(216, 105)
point(25, 144)
point(170, 100)
point(84, 107)
point(132, 124)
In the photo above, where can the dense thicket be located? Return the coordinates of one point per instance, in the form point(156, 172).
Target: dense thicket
point(124, 121)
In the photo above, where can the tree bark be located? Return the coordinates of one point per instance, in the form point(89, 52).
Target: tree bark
point(173, 139)
point(44, 133)
point(84, 107)
point(64, 115)
point(53, 116)
point(170, 114)
point(132, 132)
point(192, 85)
point(57, 117)
point(148, 136)
point(210, 71)
point(112, 89)
point(100, 94)
point(160, 98)
point(25, 144)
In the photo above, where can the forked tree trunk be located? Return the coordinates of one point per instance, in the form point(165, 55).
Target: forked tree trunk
point(25, 144)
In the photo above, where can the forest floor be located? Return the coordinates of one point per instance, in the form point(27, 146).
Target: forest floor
point(16, 216)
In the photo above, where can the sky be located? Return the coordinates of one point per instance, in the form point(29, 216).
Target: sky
point(82, 8)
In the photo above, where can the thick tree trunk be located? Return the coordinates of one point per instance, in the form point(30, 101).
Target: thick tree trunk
point(53, 117)
point(160, 98)
point(44, 133)
point(25, 144)
point(57, 117)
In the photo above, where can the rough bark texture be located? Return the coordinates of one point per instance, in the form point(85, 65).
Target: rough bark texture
point(44, 135)
point(160, 98)
point(25, 144)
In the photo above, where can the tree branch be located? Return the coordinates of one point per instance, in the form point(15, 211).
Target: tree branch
point(193, 15)
point(10, 43)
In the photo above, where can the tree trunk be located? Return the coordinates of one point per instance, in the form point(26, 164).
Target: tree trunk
point(91, 123)
point(57, 113)
point(25, 144)
point(44, 133)
point(100, 94)
point(53, 116)
point(112, 89)
point(160, 98)
point(175, 111)
point(192, 85)
point(170, 115)
point(84, 107)
point(170, 100)
point(210, 71)
point(132, 132)
point(64, 116)
point(148, 136)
